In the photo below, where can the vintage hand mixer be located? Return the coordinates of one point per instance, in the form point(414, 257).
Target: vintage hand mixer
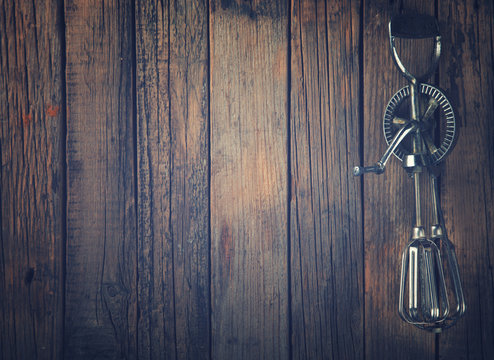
point(429, 275)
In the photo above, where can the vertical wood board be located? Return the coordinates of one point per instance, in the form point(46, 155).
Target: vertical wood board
point(249, 180)
point(101, 308)
point(325, 216)
point(156, 324)
point(466, 72)
point(31, 180)
point(173, 179)
point(189, 107)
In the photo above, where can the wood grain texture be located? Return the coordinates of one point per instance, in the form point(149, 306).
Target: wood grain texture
point(272, 256)
point(189, 116)
point(31, 180)
point(173, 211)
point(326, 222)
point(389, 210)
point(101, 307)
point(249, 93)
point(466, 72)
point(156, 324)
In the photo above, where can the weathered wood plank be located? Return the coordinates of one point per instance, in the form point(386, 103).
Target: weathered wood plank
point(326, 222)
point(466, 72)
point(31, 180)
point(249, 262)
point(173, 211)
point(156, 324)
point(389, 210)
point(101, 310)
point(189, 116)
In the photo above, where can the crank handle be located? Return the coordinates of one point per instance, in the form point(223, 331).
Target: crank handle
point(379, 166)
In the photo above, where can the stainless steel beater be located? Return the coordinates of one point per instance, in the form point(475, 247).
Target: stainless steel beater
point(429, 275)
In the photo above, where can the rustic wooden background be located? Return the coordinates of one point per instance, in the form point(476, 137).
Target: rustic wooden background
point(175, 180)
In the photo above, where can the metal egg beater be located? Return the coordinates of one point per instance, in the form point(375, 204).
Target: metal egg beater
point(419, 126)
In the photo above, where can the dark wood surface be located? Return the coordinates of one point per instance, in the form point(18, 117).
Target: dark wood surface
point(101, 294)
point(325, 208)
point(249, 267)
point(467, 185)
point(173, 205)
point(31, 180)
point(176, 180)
point(189, 106)
point(156, 323)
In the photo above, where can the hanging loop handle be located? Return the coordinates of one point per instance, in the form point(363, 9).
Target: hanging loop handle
point(414, 27)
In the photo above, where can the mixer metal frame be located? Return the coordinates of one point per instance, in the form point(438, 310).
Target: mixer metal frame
point(429, 289)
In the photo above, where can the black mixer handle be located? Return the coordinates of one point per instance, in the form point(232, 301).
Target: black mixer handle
point(415, 27)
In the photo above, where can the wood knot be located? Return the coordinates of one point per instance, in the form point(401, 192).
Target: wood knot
point(112, 290)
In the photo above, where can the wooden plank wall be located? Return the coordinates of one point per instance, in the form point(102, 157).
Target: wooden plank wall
point(176, 180)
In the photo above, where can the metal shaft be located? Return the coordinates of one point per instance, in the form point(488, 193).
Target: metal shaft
point(418, 212)
point(414, 100)
point(435, 200)
point(414, 114)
